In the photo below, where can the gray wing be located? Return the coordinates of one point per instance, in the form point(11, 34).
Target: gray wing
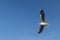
point(41, 28)
point(42, 15)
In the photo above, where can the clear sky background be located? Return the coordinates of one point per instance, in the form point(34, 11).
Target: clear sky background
point(19, 19)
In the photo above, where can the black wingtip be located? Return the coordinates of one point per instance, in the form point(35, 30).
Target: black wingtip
point(41, 10)
point(39, 32)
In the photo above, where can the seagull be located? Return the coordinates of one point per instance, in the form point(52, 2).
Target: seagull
point(43, 22)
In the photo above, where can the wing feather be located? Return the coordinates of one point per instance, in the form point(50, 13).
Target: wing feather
point(42, 15)
point(41, 28)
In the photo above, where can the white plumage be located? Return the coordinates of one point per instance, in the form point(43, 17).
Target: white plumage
point(44, 23)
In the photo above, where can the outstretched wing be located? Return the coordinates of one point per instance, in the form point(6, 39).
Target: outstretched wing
point(41, 28)
point(42, 16)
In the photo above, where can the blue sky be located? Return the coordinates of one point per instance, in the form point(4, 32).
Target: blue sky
point(19, 19)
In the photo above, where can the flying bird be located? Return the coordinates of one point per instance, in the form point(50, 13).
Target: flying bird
point(43, 22)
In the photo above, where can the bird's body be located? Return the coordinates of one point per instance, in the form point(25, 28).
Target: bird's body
point(44, 23)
